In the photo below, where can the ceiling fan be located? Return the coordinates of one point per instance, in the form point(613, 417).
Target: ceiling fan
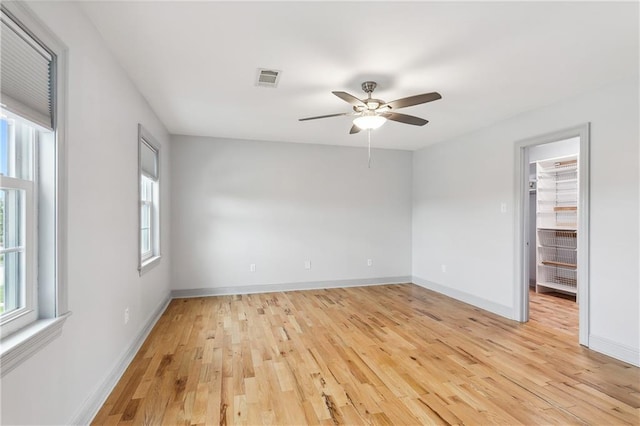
point(372, 113)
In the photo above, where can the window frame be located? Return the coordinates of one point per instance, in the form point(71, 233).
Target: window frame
point(151, 258)
point(52, 295)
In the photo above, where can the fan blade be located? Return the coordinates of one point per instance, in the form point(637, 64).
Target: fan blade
point(350, 99)
point(324, 116)
point(413, 100)
point(404, 118)
point(354, 129)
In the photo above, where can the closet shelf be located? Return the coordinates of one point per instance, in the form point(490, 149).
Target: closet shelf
point(554, 179)
point(559, 165)
point(563, 264)
point(557, 203)
point(567, 163)
point(556, 286)
point(557, 238)
point(558, 275)
point(554, 190)
point(548, 173)
point(565, 209)
point(560, 255)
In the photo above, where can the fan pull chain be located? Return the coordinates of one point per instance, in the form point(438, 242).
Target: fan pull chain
point(369, 137)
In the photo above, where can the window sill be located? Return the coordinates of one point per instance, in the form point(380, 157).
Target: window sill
point(19, 346)
point(149, 264)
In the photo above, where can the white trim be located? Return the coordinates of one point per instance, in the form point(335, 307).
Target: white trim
point(521, 202)
point(149, 264)
point(616, 350)
point(584, 190)
point(15, 183)
point(22, 344)
point(487, 305)
point(271, 288)
point(61, 183)
point(521, 222)
point(89, 408)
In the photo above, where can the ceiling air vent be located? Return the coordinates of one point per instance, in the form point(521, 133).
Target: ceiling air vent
point(268, 77)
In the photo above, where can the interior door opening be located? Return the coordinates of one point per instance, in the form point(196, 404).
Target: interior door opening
point(553, 233)
point(552, 240)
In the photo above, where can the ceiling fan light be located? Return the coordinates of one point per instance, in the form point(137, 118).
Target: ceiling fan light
point(366, 122)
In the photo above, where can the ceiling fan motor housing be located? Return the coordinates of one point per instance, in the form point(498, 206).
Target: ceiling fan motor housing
point(370, 104)
point(369, 86)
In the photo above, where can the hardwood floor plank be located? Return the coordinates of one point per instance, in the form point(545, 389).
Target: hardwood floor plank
point(440, 407)
point(422, 412)
point(393, 354)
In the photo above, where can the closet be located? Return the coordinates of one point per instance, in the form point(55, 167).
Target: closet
point(553, 216)
point(556, 225)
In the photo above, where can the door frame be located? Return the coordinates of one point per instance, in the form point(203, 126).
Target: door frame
point(522, 234)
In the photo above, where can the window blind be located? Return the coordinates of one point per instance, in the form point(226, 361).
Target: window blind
point(26, 69)
point(148, 160)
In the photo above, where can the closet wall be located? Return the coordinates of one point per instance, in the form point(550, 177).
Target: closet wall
point(532, 223)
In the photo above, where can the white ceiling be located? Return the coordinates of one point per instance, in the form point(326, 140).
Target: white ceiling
point(195, 62)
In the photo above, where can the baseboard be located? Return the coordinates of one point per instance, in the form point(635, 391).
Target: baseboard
point(96, 399)
point(271, 288)
point(487, 305)
point(615, 350)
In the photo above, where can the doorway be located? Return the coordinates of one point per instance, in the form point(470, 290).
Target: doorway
point(560, 229)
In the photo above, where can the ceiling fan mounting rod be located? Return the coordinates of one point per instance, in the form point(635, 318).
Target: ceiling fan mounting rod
point(368, 87)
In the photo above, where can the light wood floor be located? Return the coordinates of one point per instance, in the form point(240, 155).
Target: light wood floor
point(395, 354)
point(556, 311)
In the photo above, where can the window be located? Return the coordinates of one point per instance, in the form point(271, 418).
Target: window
point(32, 180)
point(146, 218)
point(18, 304)
point(149, 187)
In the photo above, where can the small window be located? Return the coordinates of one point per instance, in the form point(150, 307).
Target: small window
point(149, 202)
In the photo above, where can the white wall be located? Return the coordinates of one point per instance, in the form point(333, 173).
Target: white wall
point(278, 204)
point(459, 185)
point(551, 150)
point(103, 111)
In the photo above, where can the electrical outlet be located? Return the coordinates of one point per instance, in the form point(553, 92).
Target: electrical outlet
point(307, 264)
point(126, 315)
point(369, 262)
point(252, 267)
point(503, 207)
point(444, 268)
